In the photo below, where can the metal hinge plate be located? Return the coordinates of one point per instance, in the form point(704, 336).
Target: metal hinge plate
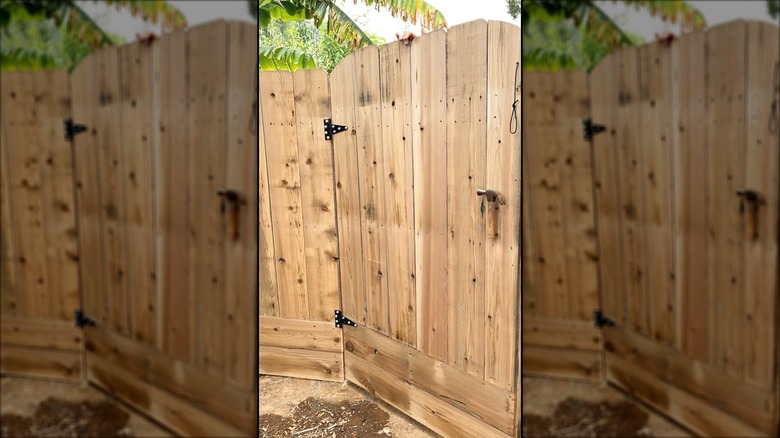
point(81, 319)
point(71, 129)
point(331, 129)
point(589, 129)
point(342, 320)
point(600, 320)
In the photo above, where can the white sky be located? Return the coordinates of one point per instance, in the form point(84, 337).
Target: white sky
point(456, 12)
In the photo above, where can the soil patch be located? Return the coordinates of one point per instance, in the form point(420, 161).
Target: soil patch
point(61, 418)
point(579, 418)
point(313, 418)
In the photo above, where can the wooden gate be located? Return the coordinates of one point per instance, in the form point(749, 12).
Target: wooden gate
point(686, 183)
point(560, 283)
point(39, 284)
point(165, 183)
point(429, 278)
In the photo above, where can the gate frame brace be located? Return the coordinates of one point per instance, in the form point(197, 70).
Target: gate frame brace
point(82, 320)
point(342, 320)
point(71, 129)
point(589, 129)
point(331, 129)
point(600, 320)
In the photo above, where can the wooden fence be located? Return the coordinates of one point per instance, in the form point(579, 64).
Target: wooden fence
point(164, 182)
point(385, 219)
point(686, 178)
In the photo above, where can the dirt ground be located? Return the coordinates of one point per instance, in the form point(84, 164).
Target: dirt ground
point(43, 408)
point(563, 408)
point(308, 409)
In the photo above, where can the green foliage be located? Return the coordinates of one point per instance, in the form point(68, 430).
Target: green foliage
point(773, 8)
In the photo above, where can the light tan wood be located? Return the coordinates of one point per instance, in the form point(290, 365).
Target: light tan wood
point(9, 289)
point(169, 134)
point(43, 363)
point(269, 293)
point(277, 103)
point(240, 318)
point(429, 135)
point(542, 154)
point(231, 402)
point(698, 416)
point(315, 161)
point(762, 172)
point(302, 364)
point(112, 177)
point(138, 185)
point(490, 403)
point(689, 95)
point(563, 363)
point(371, 171)
point(502, 173)
point(306, 335)
point(572, 105)
point(753, 405)
point(726, 158)
point(466, 150)
point(656, 170)
point(347, 182)
point(561, 333)
point(40, 333)
point(428, 409)
point(52, 105)
point(207, 219)
point(398, 184)
point(26, 189)
point(175, 413)
point(530, 286)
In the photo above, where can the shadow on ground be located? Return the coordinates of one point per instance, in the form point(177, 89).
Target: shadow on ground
point(316, 418)
point(579, 418)
point(60, 418)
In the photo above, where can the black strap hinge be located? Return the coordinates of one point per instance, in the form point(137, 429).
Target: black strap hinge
point(331, 129)
point(589, 129)
point(343, 320)
point(71, 129)
point(81, 319)
point(600, 320)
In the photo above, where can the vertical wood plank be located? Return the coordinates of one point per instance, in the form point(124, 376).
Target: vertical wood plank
point(690, 176)
point(52, 106)
point(605, 184)
point(113, 212)
point(530, 285)
point(139, 183)
point(277, 101)
point(269, 292)
point(9, 286)
point(572, 105)
point(762, 153)
point(466, 150)
point(543, 173)
point(398, 184)
point(24, 173)
point(371, 168)
point(429, 134)
point(502, 174)
point(169, 134)
point(348, 206)
point(315, 161)
point(726, 139)
point(656, 171)
point(240, 319)
point(630, 208)
point(206, 161)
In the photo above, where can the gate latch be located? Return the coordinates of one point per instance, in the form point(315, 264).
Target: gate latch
point(600, 320)
point(589, 129)
point(71, 129)
point(331, 129)
point(342, 320)
point(81, 319)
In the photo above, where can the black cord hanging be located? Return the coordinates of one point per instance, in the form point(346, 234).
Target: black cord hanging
point(513, 117)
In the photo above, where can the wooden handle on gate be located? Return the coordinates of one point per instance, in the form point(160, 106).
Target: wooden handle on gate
point(492, 220)
point(235, 200)
point(754, 200)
